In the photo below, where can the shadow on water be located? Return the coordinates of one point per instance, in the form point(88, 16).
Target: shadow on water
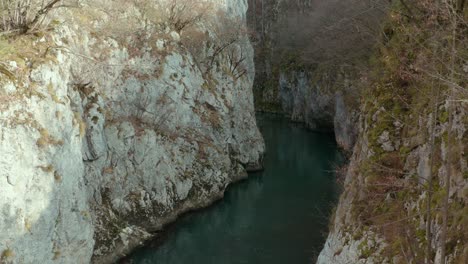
point(279, 215)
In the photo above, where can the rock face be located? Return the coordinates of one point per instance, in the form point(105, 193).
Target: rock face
point(352, 240)
point(318, 104)
point(104, 141)
point(406, 188)
point(314, 98)
point(306, 102)
point(289, 80)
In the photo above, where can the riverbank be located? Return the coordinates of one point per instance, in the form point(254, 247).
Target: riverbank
point(279, 215)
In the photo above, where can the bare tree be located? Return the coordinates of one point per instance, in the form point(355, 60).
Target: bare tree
point(219, 41)
point(452, 9)
point(236, 59)
point(225, 32)
point(430, 181)
point(178, 14)
point(183, 13)
point(334, 32)
point(24, 15)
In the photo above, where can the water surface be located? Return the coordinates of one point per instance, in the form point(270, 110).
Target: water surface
point(277, 216)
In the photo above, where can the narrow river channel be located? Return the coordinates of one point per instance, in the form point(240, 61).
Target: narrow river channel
point(279, 215)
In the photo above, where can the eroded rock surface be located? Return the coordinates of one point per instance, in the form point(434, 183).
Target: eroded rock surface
point(106, 140)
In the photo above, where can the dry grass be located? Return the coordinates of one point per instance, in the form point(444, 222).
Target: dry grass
point(6, 255)
point(27, 225)
point(46, 140)
point(49, 168)
point(57, 177)
point(55, 98)
point(78, 120)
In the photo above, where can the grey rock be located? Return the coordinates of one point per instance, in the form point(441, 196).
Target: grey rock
point(107, 151)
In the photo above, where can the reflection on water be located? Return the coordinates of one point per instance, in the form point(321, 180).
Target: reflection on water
point(277, 216)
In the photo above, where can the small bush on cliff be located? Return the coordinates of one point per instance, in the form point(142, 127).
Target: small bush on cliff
point(23, 16)
point(181, 14)
point(208, 32)
point(5, 49)
point(7, 255)
point(178, 15)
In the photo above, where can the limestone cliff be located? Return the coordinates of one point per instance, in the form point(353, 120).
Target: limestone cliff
point(323, 101)
point(407, 180)
point(111, 126)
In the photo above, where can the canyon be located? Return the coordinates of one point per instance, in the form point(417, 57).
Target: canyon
point(118, 117)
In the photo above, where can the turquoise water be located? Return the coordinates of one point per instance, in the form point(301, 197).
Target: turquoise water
point(277, 216)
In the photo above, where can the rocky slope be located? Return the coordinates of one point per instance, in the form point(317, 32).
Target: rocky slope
point(409, 165)
point(107, 135)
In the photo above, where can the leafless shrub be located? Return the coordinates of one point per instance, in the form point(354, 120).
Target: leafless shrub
point(177, 14)
point(225, 32)
point(152, 112)
point(181, 14)
point(217, 40)
point(24, 15)
point(236, 59)
point(195, 42)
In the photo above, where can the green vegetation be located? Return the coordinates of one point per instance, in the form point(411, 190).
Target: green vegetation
point(365, 251)
point(415, 72)
point(5, 49)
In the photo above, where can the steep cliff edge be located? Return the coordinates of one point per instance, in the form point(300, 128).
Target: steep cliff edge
point(406, 189)
point(113, 124)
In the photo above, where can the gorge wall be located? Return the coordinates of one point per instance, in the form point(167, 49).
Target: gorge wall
point(113, 123)
point(400, 114)
point(406, 187)
point(308, 53)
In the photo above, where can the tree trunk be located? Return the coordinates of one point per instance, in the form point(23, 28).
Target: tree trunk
point(449, 161)
point(430, 178)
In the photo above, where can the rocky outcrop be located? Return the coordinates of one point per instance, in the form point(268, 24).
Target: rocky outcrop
point(106, 139)
point(306, 101)
point(344, 122)
point(405, 193)
point(356, 237)
point(319, 104)
point(315, 99)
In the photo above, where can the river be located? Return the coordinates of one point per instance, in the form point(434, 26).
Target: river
point(279, 215)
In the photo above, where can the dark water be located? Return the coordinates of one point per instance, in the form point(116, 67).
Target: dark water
point(277, 216)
